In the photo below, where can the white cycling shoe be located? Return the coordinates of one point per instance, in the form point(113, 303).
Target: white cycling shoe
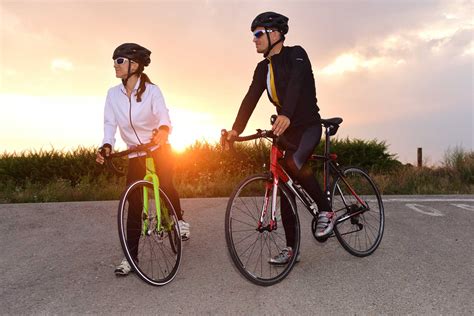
point(123, 268)
point(184, 229)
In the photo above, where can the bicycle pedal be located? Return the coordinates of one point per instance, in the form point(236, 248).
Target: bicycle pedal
point(322, 239)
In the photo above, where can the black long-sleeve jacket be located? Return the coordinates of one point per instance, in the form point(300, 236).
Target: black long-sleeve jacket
point(295, 88)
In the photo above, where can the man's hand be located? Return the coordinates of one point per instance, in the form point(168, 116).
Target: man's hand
point(231, 134)
point(160, 138)
point(227, 138)
point(281, 124)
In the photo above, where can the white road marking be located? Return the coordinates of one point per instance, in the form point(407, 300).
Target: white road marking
point(426, 200)
point(465, 206)
point(424, 209)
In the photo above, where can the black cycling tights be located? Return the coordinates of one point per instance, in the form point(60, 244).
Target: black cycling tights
point(306, 141)
point(136, 171)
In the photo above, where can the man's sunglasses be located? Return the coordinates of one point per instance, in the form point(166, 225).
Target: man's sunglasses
point(259, 33)
point(121, 60)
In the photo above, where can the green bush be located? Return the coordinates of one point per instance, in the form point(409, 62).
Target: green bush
point(46, 166)
point(204, 170)
point(372, 155)
point(460, 163)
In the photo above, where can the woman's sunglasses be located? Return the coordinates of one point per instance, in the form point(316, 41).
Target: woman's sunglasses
point(121, 60)
point(259, 33)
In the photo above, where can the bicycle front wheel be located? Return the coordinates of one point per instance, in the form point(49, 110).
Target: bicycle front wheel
point(359, 210)
point(153, 251)
point(251, 239)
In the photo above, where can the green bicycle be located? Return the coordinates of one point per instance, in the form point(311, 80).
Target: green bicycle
point(147, 224)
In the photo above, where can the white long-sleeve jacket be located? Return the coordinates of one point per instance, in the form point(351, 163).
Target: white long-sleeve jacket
point(144, 116)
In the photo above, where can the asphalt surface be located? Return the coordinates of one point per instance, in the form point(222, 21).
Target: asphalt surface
point(58, 258)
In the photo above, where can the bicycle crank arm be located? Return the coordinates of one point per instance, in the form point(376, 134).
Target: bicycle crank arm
point(351, 214)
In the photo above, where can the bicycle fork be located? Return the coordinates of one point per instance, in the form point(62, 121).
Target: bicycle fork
point(272, 224)
point(147, 217)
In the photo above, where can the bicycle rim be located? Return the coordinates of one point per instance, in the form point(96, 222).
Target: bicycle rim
point(153, 252)
point(361, 234)
point(249, 248)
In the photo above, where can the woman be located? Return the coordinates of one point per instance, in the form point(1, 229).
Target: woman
point(136, 107)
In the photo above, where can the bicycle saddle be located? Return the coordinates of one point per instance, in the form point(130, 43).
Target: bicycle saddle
point(332, 123)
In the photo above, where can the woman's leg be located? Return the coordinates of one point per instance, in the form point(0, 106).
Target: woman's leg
point(136, 171)
point(165, 170)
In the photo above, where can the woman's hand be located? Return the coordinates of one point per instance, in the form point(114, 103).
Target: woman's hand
point(101, 159)
point(281, 124)
point(160, 137)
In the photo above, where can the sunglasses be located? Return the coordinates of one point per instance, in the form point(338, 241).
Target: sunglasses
point(121, 60)
point(260, 33)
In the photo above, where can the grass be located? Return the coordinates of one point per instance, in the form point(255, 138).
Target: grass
point(203, 170)
point(454, 176)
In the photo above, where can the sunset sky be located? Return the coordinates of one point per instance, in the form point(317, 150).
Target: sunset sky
point(398, 71)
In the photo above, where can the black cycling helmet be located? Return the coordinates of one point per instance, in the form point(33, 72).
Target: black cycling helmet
point(135, 52)
point(271, 20)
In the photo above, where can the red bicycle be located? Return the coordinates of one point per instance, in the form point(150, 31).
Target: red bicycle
point(253, 223)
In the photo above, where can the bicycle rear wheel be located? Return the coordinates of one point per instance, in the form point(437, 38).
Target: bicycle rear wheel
point(153, 252)
point(251, 246)
point(359, 210)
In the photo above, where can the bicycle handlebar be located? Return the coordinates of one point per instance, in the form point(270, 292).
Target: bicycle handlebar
point(139, 148)
point(332, 124)
point(280, 140)
point(259, 134)
point(108, 158)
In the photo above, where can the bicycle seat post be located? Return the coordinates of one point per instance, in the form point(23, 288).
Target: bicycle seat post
point(327, 143)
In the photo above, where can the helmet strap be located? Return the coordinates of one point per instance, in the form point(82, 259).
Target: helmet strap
point(270, 47)
point(124, 81)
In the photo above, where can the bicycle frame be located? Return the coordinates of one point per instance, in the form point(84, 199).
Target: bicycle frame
point(279, 174)
point(330, 165)
point(152, 177)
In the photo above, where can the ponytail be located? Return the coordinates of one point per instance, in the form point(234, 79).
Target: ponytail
point(143, 79)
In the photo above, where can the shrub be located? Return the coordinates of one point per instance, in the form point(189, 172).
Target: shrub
point(204, 170)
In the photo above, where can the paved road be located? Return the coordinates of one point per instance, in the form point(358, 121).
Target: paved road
point(58, 258)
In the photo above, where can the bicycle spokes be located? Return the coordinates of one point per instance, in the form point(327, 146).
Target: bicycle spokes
point(254, 229)
point(155, 217)
point(352, 212)
point(360, 215)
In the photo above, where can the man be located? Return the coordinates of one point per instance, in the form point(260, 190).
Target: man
point(287, 76)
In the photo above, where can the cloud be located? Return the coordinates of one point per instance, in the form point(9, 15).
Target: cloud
point(469, 50)
point(450, 34)
point(61, 64)
point(353, 62)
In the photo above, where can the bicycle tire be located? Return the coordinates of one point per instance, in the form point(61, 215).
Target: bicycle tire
point(241, 222)
point(157, 257)
point(361, 234)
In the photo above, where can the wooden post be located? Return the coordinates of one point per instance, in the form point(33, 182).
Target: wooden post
point(420, 157)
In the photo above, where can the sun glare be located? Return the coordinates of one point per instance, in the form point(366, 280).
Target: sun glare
point(85, 129)
point(190, 126)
